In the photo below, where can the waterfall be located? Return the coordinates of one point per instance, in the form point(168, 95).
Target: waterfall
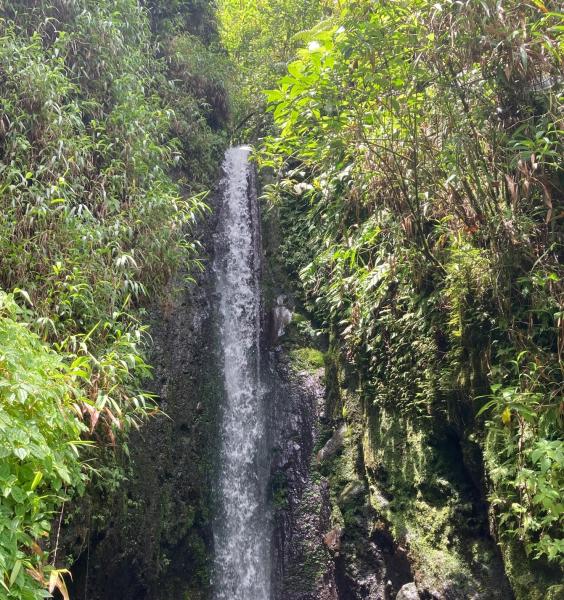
point(241, 531)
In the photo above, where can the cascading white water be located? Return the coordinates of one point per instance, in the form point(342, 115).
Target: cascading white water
point(241, 533)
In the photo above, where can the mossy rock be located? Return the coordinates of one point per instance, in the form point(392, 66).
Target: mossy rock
point(555, 592)
point(530, 580)
point(307, 359)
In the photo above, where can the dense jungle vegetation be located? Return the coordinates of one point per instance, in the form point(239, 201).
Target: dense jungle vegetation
point(414, 151)
point(112, 119)
point(419, 180)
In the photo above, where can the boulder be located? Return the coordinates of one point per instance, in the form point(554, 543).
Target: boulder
point(333, 445)
point(408, 592)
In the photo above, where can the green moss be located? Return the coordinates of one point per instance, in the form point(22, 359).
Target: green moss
point(555, 592)
point(418, 485)
point(307, 359)
point(529, 583)
point(279, 490)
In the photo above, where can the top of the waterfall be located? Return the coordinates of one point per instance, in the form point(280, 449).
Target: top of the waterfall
point(246, 150)
point(235, 165)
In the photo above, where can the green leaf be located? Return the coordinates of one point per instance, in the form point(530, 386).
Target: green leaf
point(21, 453)
point(15, 572)
point(18, 494)
point(36, 480)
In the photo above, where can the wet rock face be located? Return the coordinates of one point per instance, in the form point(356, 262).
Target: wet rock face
point(370, 566)
point(151, 539)
point(334, 444)
point(315, 557)
point(282, 316)
point(333, 515)
point(277, 320)
point(303, 565)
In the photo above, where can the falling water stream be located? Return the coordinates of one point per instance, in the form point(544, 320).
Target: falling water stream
point(241, 533)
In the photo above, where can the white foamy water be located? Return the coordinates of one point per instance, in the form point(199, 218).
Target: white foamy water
point(241, 532)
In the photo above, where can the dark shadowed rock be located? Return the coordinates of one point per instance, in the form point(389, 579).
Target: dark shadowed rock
point(151, 539)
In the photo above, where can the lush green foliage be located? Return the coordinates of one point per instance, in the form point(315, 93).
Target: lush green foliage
point(40, 436)
point(261, 38)
point(196, 74)
point(420, 184)
point(97, 201)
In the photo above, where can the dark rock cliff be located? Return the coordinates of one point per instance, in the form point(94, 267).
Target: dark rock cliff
point(151, 537)
point(303, 567)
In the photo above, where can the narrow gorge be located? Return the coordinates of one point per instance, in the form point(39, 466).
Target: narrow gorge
point(281, 300)
point(300, 499)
